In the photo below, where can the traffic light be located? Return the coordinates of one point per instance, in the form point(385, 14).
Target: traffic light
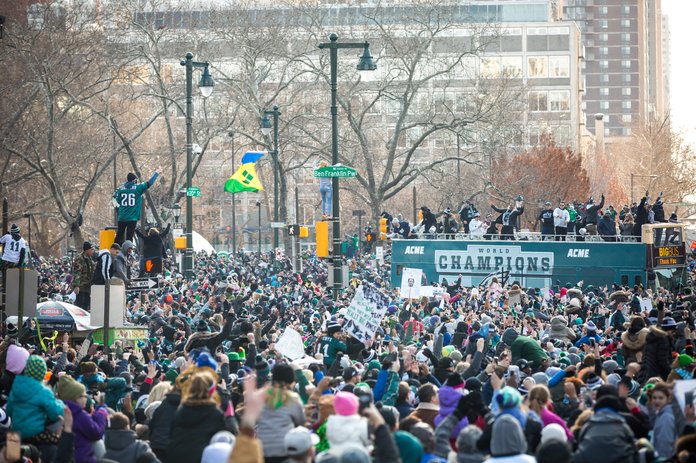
point(322, 230)
point(383, 229)
point(304, 232)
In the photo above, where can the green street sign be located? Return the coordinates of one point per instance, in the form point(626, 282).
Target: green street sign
point(193, 192)
point(337, 171)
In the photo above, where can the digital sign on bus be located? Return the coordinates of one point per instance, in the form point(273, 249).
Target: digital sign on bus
point(667, 256)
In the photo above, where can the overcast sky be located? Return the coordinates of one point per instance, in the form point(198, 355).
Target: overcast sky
point(683, 67)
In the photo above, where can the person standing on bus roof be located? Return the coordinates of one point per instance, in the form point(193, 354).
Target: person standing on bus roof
point(592, 216)
point(508, 217)
point(546, 217)
point(128, 198)
point(561, 217)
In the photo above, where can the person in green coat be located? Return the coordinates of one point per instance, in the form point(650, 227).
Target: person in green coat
point(128, 198)
point(573, 216)
point(524, 347)
point(330, 345)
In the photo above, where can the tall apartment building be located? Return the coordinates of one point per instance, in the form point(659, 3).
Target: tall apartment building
point(625, 48)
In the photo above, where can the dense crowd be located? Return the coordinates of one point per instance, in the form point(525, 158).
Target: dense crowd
point(497, 373)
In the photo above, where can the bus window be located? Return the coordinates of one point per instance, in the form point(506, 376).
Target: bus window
point(670, 278)
point(638, 280)
point(624, 280)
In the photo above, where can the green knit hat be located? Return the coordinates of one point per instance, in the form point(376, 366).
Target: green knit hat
point(171, 375)
point(35, 368)
point(684, 360)
point(69, 389)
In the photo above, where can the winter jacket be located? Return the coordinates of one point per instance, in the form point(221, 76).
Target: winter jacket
point(194, 424)
point(343, 430)
point(657, 356)
point(449, 398)
point(427, 413)
point(591, 211)
point(31, 405)
point(82, 271)
point(275, 423)
point(122, 445)
point(87, 429)
point(153, 245)
point(104, 268)
point(606, 227)
point(664, 432)
point(559, 330)
point(443, 447)
point(246, 450)
point(527, 348)
point(606, 438)
point(161, 423)
point(120, 262)
point(641, 217)
point(632, 343)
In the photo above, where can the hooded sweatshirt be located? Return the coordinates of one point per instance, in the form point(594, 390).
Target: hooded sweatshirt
point(122, 445)
point(120, 262)
point(559, 330)
point(508, 444)
point(350, 429)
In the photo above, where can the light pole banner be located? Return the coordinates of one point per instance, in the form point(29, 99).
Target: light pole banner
point(411, 282)
point(365, 313)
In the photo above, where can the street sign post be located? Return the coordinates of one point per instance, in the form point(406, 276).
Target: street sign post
point(194, 192)
point(141, 283)
point(337, 171)
point(277, 224)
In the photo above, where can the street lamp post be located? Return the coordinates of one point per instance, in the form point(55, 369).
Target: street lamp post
point(258, 205)
point(28, 217)
point(206, 85)
point(266, 127)
point(365, 64)
point(651, 177)
point(234, 201)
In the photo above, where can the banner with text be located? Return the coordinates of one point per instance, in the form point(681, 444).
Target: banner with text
point(365, 313)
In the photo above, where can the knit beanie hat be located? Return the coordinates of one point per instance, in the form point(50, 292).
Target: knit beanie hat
point(410, 448)
point(591, 326)
point(346, 403)
point(216, 452)
point(553, 431)
point(171, 375)
point(473, 384)
point(455, 381)
point(16, 359)
point(35, 368)
point(205, 360)
point(509, 398)
point(685, 360)
point(69, 389)
point(14, 229)
point(467, 439)
point(507, 438)
point(509, 336)
point(456, 356)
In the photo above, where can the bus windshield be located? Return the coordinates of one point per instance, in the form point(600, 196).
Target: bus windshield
point(671, 279)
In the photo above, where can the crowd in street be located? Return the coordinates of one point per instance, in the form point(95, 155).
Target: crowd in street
point(567, 220)
point(496, 373)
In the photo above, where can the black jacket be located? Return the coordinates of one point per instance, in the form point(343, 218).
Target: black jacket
point(606, 437)
point(153, 246)
point(122, 445)
point(591, 212)
point(192, 428)
point(508, 218)
point(641, 217)
point(657, 355)
point(161, 422)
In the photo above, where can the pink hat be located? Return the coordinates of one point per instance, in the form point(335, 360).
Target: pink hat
point(16, 359)
point(346, 403)
point(564, 291)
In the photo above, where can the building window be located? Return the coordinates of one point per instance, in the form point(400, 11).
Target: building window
point(626, 63)
point(627, 131)
point(603, 10)
point(603, 51)
point(626, 91)
point(511, 66)
point(604, 105)
point(626, 118)
point(626, 78)
point(559, 100)
point(490, 67)
point(603, 37)
point(538, 101)
point(604, 24)
point(626, 104)
point(626, 51)
point(604, 79)
point(626, 23)
point(626, 37)
point(626, 9)
point(537, 66)
point(603, 64)
point(604, 92)
point(559, 66)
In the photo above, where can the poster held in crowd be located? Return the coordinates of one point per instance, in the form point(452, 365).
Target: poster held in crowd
point(290, 344)
point(411, 282)
point(365, 313)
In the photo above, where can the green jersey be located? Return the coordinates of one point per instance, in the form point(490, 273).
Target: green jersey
point(129, 199)
point(330, 347)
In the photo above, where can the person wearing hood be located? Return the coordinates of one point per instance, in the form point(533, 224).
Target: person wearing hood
point(346, 426)
point(128, 200)
point(105, 268)
point(633, 339)
point(559, 330)
point(590, 333)
point(467, 451)
point(120, 262)
point(449, 395)
point(606, 436)
point(546, 219)
point(657, 355)
point(592, 216)
point(14, 248)
point(508, 444)
point(123, 445)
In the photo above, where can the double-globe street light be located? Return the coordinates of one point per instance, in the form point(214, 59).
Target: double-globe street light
point(365, 64)
point(206, 85)
point(266, 127)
